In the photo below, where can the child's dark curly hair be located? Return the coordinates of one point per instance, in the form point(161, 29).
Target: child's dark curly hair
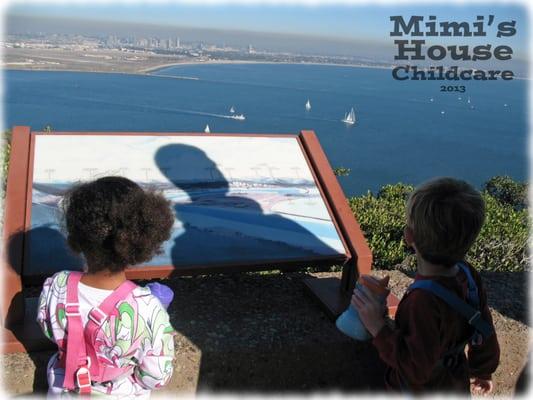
point(115, 223)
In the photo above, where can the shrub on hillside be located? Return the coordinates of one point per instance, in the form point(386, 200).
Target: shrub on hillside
point(501, 245)
point(382, 219)
point(507, 191)
point(6, 149)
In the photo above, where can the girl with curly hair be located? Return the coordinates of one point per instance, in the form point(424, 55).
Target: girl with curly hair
point(113, 336)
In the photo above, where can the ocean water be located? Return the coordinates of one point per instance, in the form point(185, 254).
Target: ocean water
point(400, 135)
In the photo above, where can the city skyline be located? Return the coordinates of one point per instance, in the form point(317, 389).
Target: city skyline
point(336, 29)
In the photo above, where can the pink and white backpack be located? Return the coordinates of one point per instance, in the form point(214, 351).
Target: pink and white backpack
point(80, 359)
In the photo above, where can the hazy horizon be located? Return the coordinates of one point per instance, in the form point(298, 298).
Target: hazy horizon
point(358, 32)
point(355, 30)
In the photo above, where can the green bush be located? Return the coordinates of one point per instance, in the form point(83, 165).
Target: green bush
point(399, 191)
point(6, 149)
point(501, 245)
point(341, 171)
point(508, 191)
point(382, 219)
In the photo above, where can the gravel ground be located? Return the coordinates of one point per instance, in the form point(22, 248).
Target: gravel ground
point(263, 333)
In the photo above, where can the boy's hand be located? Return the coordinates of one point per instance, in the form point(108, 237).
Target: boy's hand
point(371, 311)
point(480, 386)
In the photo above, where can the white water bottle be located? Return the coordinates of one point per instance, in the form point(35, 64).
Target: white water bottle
point(349, 322)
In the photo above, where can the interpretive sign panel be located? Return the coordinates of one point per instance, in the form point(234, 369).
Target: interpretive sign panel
point(238, 199)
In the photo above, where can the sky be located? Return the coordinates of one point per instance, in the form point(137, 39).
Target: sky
point(346, 22)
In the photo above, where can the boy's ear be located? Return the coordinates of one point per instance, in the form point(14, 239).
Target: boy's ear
point(408, 236)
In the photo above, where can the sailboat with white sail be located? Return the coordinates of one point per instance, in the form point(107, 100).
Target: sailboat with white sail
point(349, 117)
point(232, 110)
point(207, 130)
point(308, 105)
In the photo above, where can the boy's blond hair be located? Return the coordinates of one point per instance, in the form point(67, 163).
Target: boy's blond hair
point(445, 215)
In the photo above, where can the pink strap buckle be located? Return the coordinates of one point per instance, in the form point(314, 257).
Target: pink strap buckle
point(83, 380)
point(72, 309)
point(97, 316)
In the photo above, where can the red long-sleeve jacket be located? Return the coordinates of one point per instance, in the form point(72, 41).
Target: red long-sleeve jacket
point(425, 328)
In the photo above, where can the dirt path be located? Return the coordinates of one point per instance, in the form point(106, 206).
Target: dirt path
point(262, 333)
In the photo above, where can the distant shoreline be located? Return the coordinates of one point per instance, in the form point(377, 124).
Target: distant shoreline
point(150, 70)
point(214, 62)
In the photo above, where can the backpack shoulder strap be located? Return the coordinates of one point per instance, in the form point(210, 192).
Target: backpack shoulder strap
point(76, 355)
point(96, 318)
point(473, 294)
point(472, 315)
point(99, 314)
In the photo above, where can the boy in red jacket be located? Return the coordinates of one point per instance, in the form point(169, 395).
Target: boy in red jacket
point(426, 349)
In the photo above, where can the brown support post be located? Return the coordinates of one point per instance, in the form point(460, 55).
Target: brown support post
point(19, 330)
point(12, 307)
point(333, 294)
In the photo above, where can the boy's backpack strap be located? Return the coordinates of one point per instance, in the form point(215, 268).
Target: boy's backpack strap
point(472, 315)
point(77, 363)
point(473, 295)
point(96, 317)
